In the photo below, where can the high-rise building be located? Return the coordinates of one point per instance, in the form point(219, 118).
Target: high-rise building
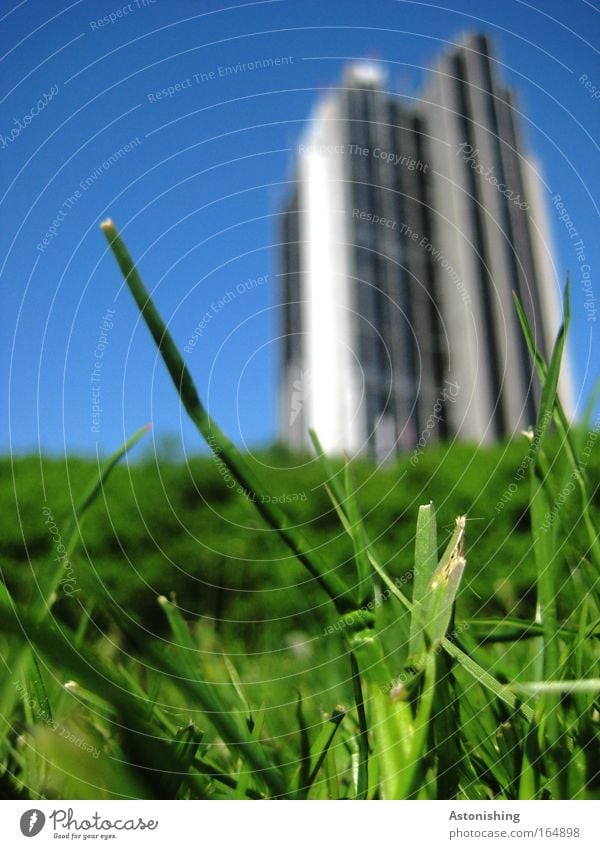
point(410, 224)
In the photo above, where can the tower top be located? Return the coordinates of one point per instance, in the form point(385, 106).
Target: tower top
point(365, 73)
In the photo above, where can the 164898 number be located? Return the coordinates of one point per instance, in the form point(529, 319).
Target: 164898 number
point(561, 832)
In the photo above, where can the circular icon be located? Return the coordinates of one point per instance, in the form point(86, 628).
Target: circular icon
point(32, 822)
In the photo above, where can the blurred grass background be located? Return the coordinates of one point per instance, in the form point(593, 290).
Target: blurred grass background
point(166, 527)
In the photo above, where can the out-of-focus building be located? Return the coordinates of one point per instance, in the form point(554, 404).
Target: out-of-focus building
point(410, 224)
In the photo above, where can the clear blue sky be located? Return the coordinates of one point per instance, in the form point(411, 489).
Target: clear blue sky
point(197, 196)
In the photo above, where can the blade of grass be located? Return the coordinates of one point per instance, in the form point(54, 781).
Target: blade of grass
point(322, 745)
point(244, 777)
point(561, 420)
point(304, 759)
point(491, 630)
point(363, 733)
point(221, 446)
point(333, 477)
point(538, 688)
point(239, 689)
point(185, 748)
point(449, 752)
point(36, 684)
point(426, 559)
point(393, 730)
point(357, 535)
point(529, 783)
point(547, 556)
point(414, 762)
point(444, 583)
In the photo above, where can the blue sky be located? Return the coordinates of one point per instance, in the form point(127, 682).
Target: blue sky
point(198, 190)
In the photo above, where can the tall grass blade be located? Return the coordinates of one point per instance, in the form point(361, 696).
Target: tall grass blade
point(359, 543)
point(426, 560)
point(560, 418)
point(221, 446)
point(333, 478)
point(444, 584)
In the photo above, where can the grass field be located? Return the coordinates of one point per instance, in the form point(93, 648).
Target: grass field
point(425, 630)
